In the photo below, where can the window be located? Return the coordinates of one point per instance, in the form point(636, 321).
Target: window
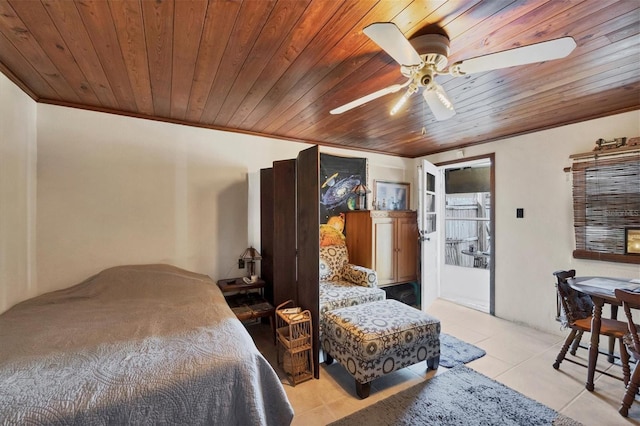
point(606, 201)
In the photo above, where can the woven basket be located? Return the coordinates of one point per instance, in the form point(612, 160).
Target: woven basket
point(295, 364)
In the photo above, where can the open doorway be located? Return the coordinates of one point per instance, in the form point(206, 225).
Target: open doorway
point(467, 260)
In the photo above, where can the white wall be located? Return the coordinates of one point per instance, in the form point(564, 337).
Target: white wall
point(17, 194)
point(118, 190)
point(529, 174)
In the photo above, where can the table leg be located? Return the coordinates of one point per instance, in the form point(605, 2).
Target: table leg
point(595, 340)
point(612, 340)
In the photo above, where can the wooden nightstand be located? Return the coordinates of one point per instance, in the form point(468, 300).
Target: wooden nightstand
point(244, 304)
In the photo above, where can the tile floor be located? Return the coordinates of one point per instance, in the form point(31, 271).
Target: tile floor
point(517, 356)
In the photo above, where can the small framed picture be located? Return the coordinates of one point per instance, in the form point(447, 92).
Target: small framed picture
point(391, 195)
point(632, 240)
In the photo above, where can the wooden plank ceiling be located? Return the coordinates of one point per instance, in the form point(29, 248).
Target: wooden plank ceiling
point(276, 68)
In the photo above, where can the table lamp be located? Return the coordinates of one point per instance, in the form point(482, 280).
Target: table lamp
point(361, 192)
point(250, 256)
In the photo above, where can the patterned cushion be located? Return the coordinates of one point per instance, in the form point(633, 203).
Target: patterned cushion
point(332, 260)
point(359, 275)
point(578, 305)
point(372, 330)
point(340, 294)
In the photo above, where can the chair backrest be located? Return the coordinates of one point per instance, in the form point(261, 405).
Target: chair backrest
point(332, 260)
point(574, 305)
point(630, 300)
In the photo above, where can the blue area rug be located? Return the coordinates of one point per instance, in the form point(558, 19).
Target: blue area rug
point(459, 396)
point(454, 351)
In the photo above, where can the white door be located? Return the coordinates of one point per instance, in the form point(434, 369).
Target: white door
point(428, 187)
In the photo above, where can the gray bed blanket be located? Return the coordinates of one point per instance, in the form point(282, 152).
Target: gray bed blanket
point(150, 344)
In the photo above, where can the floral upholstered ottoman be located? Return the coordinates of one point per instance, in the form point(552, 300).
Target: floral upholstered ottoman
point(374, 339)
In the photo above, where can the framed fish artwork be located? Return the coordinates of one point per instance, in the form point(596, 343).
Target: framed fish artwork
point(338, 177)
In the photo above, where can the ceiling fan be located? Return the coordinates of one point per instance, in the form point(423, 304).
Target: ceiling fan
point(422, 68)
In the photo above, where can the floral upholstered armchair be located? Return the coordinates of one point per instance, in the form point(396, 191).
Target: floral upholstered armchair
point(343, 284)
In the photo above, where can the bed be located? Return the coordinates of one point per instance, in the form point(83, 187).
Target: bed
point(146, 344)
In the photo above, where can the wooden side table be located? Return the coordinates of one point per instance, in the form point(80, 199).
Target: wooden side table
point(247, 305)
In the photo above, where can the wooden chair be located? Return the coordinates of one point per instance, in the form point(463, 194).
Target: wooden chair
point(576, 335)
point(578, 310)
point(630, 300)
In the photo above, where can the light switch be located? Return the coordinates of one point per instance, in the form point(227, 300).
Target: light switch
point(519, 213)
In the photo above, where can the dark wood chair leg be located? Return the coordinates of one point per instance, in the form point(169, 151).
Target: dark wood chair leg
point(612, 340)
point(363, 389)
point(565, 348)
point(576, 343)
point(433, 363)
point(630, 394)
point(328, 359)
point(624, 359)
point(596, 322)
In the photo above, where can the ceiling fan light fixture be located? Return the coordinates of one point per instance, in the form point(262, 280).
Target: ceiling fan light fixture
point(400, 103)
point(403, 100)
point(445, 101)
point(438, 101)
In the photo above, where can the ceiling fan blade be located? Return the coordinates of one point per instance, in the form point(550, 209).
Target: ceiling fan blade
point(389, 37)
point(539, 52)
point(440, 104)
point(368, 98)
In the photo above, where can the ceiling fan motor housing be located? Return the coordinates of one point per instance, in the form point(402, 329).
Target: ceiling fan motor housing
point(433, 49)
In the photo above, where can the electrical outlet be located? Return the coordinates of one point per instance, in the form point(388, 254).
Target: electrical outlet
point(240, 263)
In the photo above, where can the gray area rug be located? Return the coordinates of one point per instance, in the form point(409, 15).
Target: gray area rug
point(460, 396)
point(454, 351)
